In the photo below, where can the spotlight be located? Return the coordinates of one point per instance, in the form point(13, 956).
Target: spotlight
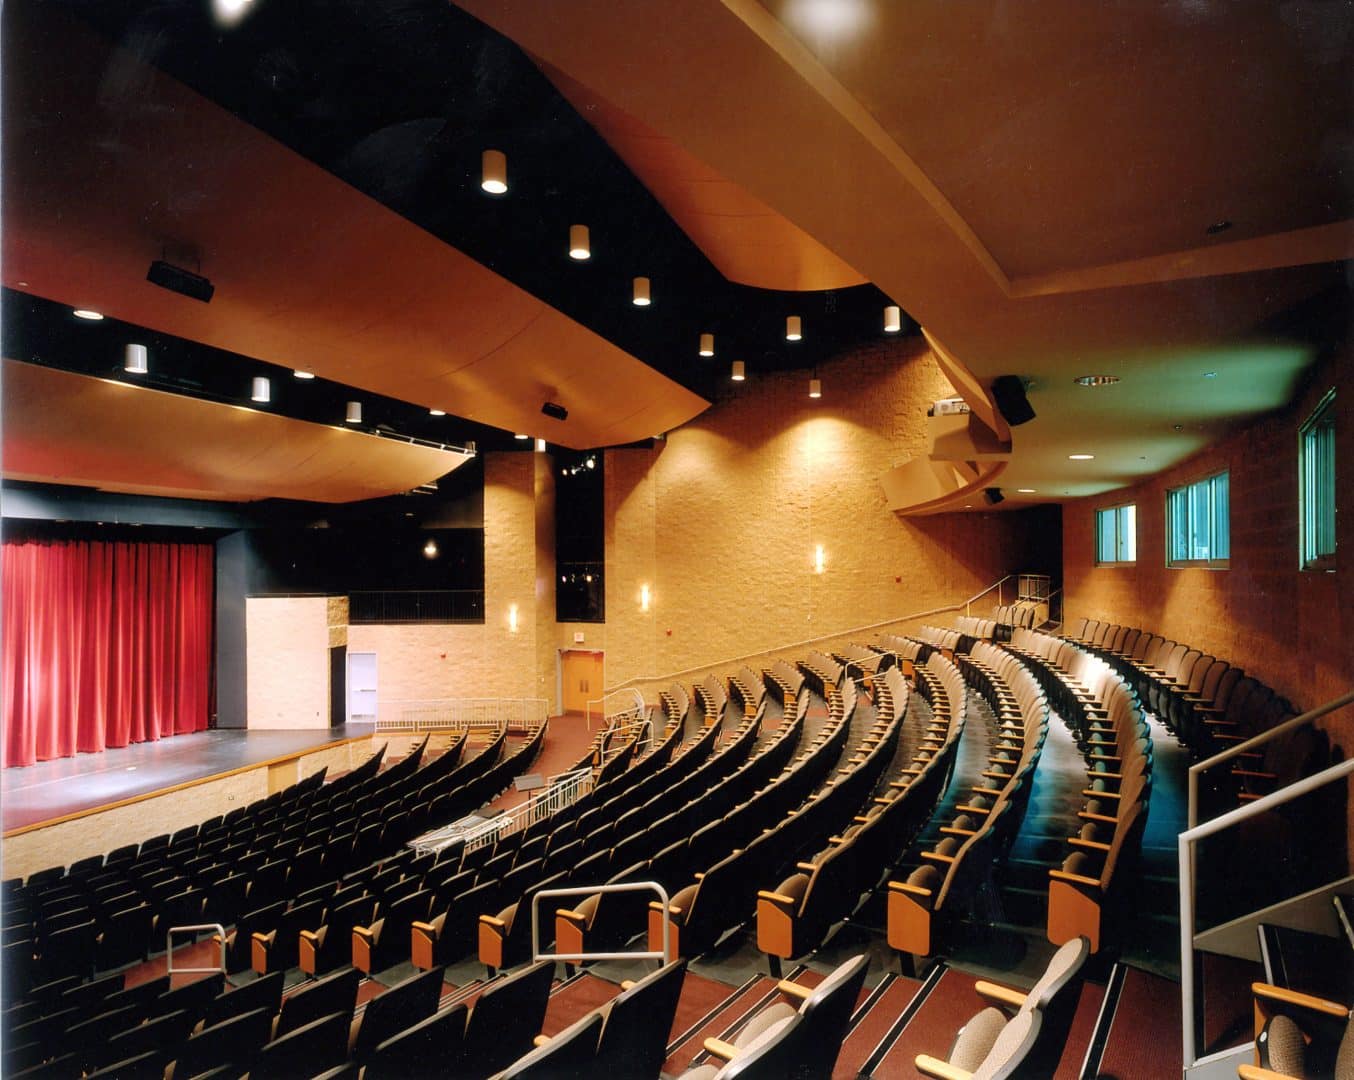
point(640, 297)
point(591, 463)
point(494, 172)
point(176, 279)
point(707, 345)
point(555, 411)
point(354, 414)
point(580, 247)
point(299, 374)
point(739, 372)
point(262, 390)
point(136, 359)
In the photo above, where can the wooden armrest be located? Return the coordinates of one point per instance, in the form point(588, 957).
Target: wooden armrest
point(699, 875)
point(807, 867)
point(1104, 818)
point(422, 927)
point(953, 831)
point(835, 840)
point(793, 989)
point(366, 933)
point(313, 937)
point(1255, 1072)
point(858, 820)
point(965, 808)
point(674, 909)
point(1284, 996)
point(540, 1040)
point(720, 1049)
point(987, 791)
point(1254, 773)
point(936, 856)
point(1091, 845)
point(262, 937)
point(776, 898)
point(903, 886)
point(1091, 793)
point(999, 995)
point(941, 1070)
point(569, 915)
point(626, 984)
point(1075, 879)
point(494, 921)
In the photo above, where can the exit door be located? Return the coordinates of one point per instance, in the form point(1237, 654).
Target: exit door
point(361, 686)
point(581, 678)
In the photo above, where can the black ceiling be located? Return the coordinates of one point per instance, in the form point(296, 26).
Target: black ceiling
point(399, 98)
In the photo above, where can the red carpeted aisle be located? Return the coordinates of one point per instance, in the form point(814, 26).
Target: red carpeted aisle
point(1144, 1041)
point(931, 1030)
point(873, 1026)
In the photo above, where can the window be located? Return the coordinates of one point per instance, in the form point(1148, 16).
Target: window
point(1316, 486)
point(1197, 524)
point(1116, 535)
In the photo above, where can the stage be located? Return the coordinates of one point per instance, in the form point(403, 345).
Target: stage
point(56, 789)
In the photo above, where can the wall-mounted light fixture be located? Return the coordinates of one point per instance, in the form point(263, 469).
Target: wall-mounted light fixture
point(893, 319)
point(818, 559)
point(512, 618)
point(540, 446)
point(644, 597)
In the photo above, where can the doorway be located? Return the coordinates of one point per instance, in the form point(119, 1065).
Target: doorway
point(361, 686)
point(581, 678)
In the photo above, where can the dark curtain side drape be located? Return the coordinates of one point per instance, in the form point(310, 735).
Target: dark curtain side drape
point(104, 644)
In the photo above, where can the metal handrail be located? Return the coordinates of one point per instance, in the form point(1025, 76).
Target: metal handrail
point(636, 705)
point(454, 714)
point(978, 596)
point(1306, 718)
point(593, 890)
point(1196, 833)
point(171, 970)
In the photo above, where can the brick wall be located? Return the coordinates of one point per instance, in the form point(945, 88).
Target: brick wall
point(1290, 628)
point(287, 668)
point(722, 519)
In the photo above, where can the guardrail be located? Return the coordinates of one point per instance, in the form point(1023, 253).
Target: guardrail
point(519, 715)
point(592, 890)
point(194, 928)
point(627, 704)
point(562, 790)
point(1197, 832)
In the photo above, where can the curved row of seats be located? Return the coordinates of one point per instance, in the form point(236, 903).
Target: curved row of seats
point(1086, 893)
point(784, 682)
point(1022, 613)
point(748, 688)
point(925, 909)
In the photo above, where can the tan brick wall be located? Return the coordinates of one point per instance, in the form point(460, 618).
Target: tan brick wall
point(434, 661)
point(65, 842)
point(1292, 629)
point(287, 661)
point(722, 519)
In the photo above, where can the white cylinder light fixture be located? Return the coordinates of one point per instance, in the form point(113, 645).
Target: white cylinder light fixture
point(893, 319)
point(640, 297)
point(354, 414)
point(437, 412)
point(707, 345)
point(262, 390)
point(540, 446)
point(136, 359)
point(494, 172)
point(580, 247)
point(739, 372)
point(815, 388)
point(299, 374)
point(793, 328)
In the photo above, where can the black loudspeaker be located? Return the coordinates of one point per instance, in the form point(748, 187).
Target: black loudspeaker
point(558, 412)
point(993, 495)
point(176, 279)
point(1009, 393)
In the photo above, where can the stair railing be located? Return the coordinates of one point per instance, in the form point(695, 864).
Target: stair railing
point(1190, 838)
point(591, 890)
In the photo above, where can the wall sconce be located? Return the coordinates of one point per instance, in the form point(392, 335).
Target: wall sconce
point(818, 558)
point(512, 618)
point(644, 597)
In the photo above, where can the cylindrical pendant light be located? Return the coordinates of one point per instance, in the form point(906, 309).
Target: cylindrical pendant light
point(640, 297)
point(579, 247)
point(815, 388)
point(136, 359)
point(707, 345)
point(540, 446)
point(262, 389)
point(893, 319)
point(793, 331)
point(494, 172)
point(739, 372)
point(354, 415)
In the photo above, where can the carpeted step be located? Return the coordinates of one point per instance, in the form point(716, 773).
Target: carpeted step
point(574, 998)
point(945, 1009)
point(1080, 1033)
point(871, 1024)
point(1140, 1032)
point(707, 1007)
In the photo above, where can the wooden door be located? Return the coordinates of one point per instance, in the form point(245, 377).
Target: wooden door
point(581, 678)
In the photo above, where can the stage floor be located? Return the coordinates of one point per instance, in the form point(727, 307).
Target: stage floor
point(53, 789)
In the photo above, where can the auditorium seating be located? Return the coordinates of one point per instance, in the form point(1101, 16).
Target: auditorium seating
point(1298, 1035)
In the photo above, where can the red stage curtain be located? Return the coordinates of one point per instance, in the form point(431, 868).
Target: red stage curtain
point(104, 644)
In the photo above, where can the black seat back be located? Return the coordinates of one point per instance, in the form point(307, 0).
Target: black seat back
point(398, 1008)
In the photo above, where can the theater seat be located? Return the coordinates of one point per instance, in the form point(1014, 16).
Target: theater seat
point(1299, 1036)
point(568, 1055)
point(771, 1056)
point(988, 1047)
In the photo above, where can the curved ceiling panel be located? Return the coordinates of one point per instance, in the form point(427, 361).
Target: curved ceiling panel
point(110, 164)
point(72, 429)
point(748, 241)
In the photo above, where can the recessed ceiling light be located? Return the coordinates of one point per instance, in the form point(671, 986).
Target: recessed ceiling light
point(521, 437)
point(298, 373)
point(436, 412)
point(1096, 380)
point(86, 313)
point(1080, 457)
point(1025, 491)
point(1218, 227)
point(22, 284)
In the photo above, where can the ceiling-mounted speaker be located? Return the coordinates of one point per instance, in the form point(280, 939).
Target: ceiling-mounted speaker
point(176, 279)
point(554, 411)
point(993, 496)
point(1009, 393)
